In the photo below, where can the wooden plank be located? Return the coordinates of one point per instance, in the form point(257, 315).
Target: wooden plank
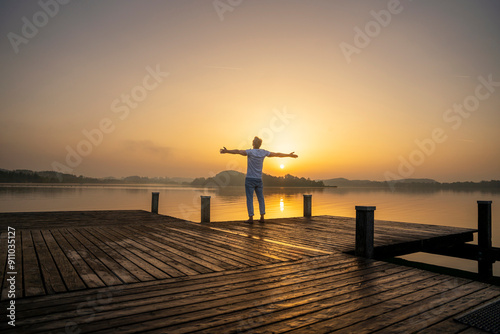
point(241, 247)
point(397, 229)
point(286, 226)
point(260, 277)
point(212, 244)
point(4, 286)
point(139, 255)
point(258, 308)
point(283, 233)
point(306, 236)
point(50, 274)
point(194, 316)
point(408, 307)
point(176, 294)
point(437, 312)
point(120, 255)
point(386, 233)
point(188, 252)
point(19, 265)
point(261, 233)
point(86, 273)
point(337, 313)
point(203, 246)
point(212, 302)
point(33, 283)
point(124, 275)
point(339, 303)
point(169, 255)
point(210, 233)
point(68, 219)
point(104, 274)
point(368, 309)
point(202, 282)
point(449, 324)
point(271, 316)
point(69, 275)
point(153, 253)
point(256, 248)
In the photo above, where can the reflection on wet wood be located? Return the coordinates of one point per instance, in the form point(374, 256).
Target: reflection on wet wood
point(134, 271)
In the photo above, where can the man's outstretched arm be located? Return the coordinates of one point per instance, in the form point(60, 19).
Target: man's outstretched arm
point(225, 150)
point(283, 155)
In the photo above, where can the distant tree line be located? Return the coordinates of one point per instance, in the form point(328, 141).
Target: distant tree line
point(419, 184)
point(233, 178)
point(493, 184)
point(290, 181)
point(28, 176)
point(17, 177)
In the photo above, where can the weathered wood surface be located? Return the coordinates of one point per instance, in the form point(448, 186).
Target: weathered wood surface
point(88, 272)
point(331, 233)
point(45, 220)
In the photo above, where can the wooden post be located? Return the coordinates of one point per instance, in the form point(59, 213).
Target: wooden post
point(154, 202)
point(484, 263)
point(205, 209)
point(308, 206)
point(364, 231)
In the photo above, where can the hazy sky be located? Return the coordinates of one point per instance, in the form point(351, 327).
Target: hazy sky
point(358, 89)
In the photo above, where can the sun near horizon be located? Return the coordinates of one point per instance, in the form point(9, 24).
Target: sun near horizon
point(157, 89)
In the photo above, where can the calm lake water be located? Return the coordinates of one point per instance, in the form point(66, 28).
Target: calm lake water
point(450, 208)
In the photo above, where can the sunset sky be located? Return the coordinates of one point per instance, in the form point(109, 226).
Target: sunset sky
point(358, 89)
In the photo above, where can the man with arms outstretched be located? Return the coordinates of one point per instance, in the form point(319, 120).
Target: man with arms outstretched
point(253, 180)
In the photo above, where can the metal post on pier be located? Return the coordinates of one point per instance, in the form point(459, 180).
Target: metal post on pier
point(485, 263)
point(308, 206)
point(154, 202)
point(365, 218)
point(205, 209)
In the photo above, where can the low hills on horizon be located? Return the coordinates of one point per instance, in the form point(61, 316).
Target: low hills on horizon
point(29, 176)
point(235, 178)
point(340, 181)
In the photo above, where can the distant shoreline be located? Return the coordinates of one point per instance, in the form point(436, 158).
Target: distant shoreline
point(62, 184)
point(386, 188)
point(28, 184)
point(19, 178)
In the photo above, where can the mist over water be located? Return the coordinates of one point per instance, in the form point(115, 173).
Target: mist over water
point(437, 207)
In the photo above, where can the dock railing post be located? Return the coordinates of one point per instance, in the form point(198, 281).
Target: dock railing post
point(308, 206)
point(154, 202)
point(365, 218)
point(205, 209)
point(484, 264)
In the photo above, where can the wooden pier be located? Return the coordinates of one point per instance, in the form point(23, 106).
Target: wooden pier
point(136, 271)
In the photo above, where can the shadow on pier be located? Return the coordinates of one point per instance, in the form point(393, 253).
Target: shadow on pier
point(136, 271)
